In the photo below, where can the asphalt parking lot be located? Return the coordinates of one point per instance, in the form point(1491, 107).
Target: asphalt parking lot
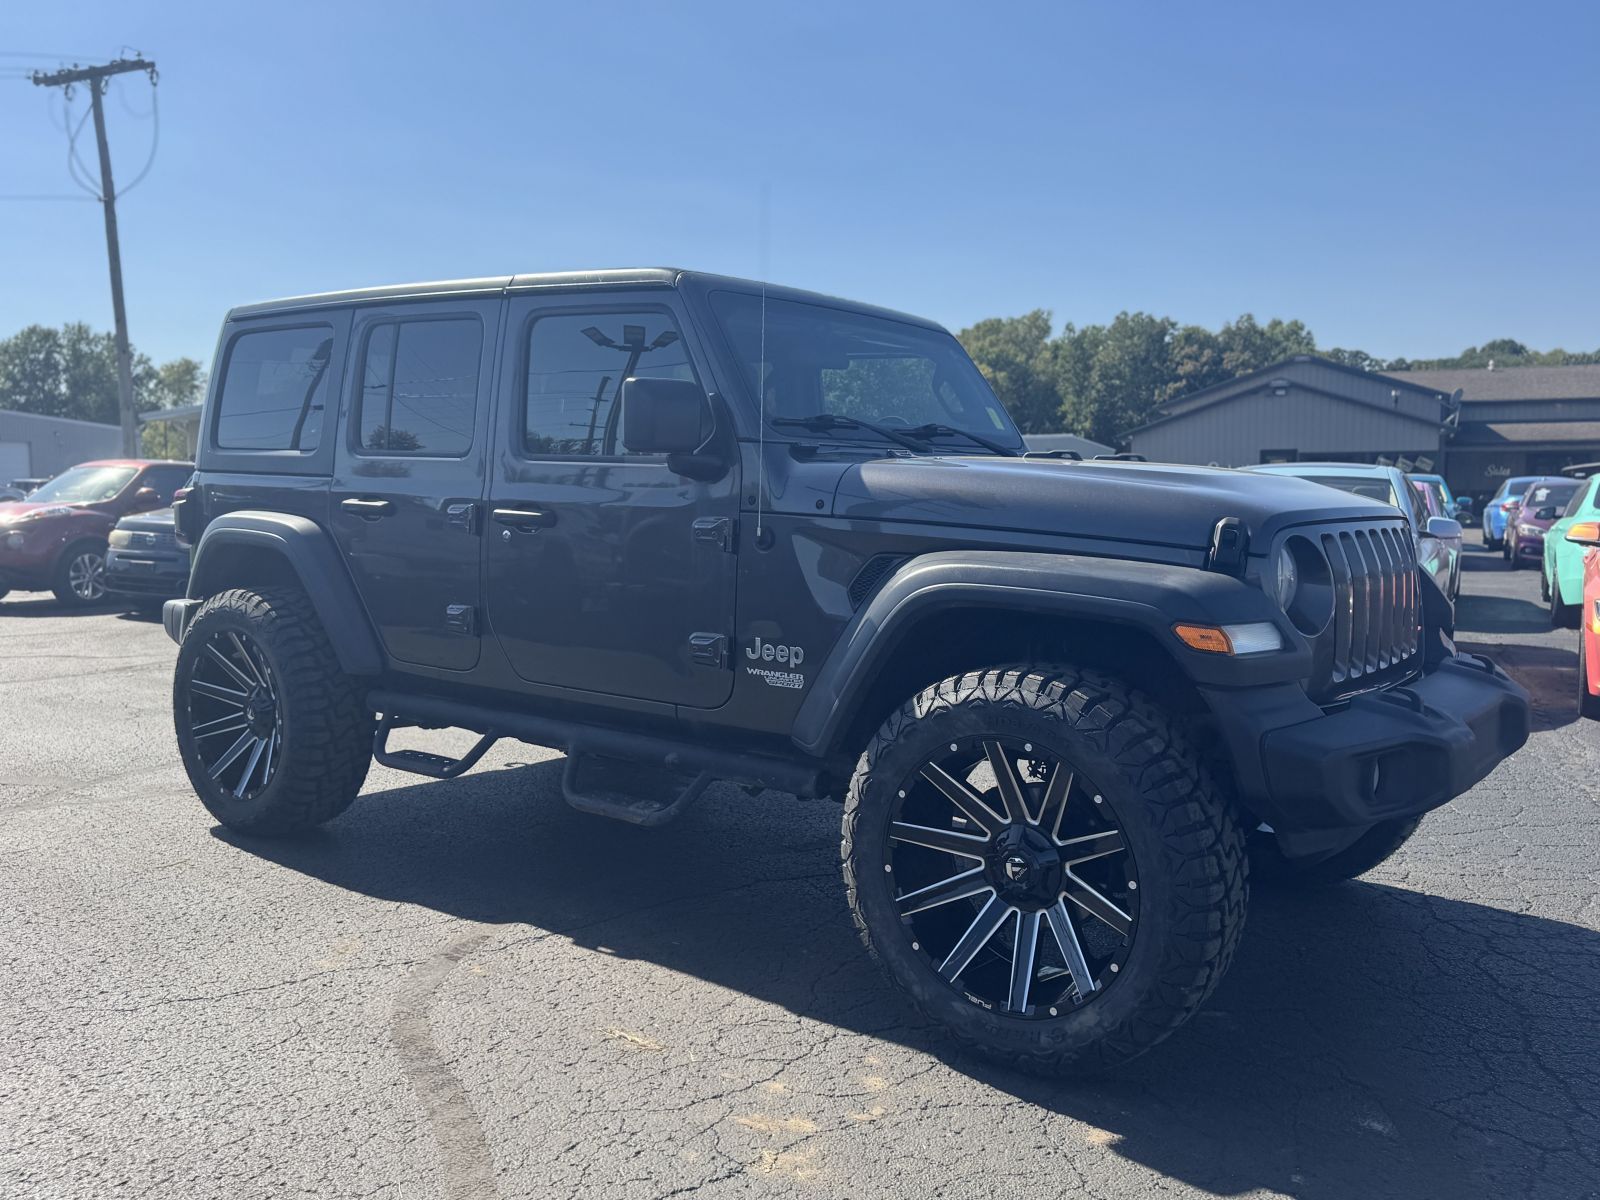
point(466, 989)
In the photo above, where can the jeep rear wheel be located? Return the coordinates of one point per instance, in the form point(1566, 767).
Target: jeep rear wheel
point(1037, 858)
point(275, 737)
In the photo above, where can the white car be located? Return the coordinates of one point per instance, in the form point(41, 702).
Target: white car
point(1437, 538)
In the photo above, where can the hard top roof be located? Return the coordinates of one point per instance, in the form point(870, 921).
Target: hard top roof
point(631, 277)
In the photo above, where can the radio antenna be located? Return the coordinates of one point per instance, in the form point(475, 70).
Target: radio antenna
point(762, 239)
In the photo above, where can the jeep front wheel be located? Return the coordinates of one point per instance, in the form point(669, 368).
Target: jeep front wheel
point(274, 736)
point(1041, 863)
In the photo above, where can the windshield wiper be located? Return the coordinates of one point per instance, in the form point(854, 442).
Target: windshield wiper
point(827, 422)
point(934, 429)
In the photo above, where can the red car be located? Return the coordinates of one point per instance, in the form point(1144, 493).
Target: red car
point(1587, 533)
point(55, 540)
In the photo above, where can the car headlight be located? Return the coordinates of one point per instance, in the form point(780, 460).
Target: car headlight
point(1286, 576)
point(14, 540)
point(119, 539)
point(1530, 530)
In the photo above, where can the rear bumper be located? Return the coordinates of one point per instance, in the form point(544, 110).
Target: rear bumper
point(1394, 753)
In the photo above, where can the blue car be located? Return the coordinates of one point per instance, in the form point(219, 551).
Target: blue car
point(1495, 508)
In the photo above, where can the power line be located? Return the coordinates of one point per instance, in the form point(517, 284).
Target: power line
point(97, 78)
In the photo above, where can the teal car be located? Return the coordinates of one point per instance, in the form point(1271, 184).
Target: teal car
point(1563, 560)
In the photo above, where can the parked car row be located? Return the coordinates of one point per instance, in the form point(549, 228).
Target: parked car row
point(99, 527)
point(1424, 501)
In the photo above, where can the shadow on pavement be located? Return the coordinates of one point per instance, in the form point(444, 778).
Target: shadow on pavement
point(45, 605)
point(1369, 1041)
point(1549, 674)
point(1500, 614)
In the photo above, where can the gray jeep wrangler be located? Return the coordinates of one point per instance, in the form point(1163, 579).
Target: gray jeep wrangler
point(692, 529)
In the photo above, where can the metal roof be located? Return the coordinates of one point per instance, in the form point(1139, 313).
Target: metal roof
point(1510, 383)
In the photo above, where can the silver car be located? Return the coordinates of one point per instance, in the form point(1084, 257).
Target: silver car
point(1437, 537)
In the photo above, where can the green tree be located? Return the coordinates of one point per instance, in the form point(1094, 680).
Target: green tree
point(1017, 357)
point(1112, 376)
point(174, 384)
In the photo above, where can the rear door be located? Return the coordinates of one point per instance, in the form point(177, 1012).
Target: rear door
point(608, 572)
point(408, 483)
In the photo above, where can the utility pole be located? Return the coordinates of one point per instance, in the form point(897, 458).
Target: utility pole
point(96, 78)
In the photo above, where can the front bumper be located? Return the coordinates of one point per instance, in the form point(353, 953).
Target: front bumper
point(1396, 753)
point(1393, 753)
point(145, 574)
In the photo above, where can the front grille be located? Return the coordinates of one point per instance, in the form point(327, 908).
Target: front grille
point(144, 539)
point(1377, 603)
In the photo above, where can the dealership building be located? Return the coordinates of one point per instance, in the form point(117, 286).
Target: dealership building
point(1476, 427)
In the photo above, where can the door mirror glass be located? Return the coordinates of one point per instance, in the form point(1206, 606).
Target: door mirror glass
point(663, 416)
point(1441, 527)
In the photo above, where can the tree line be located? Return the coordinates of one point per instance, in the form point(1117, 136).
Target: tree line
point(1098, 381)
point(72, 372)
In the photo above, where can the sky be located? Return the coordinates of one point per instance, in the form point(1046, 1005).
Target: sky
point(1406, 179)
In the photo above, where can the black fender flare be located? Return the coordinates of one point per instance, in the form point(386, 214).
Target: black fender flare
point(1148, 596)
point(314, 558)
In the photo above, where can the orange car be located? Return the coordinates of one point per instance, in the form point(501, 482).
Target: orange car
point(1587, 533)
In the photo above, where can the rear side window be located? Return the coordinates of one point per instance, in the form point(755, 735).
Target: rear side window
point(419, 387)
point(576, 365)
point(275, 389)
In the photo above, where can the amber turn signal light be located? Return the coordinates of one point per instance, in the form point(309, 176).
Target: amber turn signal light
point(1209, 638)
point(1585, 533)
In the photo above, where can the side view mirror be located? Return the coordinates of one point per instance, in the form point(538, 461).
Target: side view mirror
point(1547, 513)
point(664, 416)
point(145, 498)
point(1441, 527)
point(1585, 533)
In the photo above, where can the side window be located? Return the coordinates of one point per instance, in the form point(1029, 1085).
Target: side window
point(166, 480)
point(419, 387)
point(275, 389)
point(1575, 505)
point(575, 368)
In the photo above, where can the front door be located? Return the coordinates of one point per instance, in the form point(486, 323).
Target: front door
point(608, 572)
point(407, 495)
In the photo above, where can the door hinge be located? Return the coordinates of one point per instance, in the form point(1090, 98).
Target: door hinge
point(720, 532)
point(463, 516)
point(461, 618)
point(708, 649)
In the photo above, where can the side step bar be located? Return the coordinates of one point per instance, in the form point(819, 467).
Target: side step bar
point(579, 740)
point(612, 787)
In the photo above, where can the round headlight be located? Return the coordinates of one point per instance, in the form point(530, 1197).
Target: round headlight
point(1286, 577)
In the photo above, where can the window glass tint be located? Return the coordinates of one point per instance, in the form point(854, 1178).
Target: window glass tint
point(275, 390)
point(1575, 505)
point(811, 358)
point(166, 480)
point(419, 387)
point(1356, 485)
point(576, 365)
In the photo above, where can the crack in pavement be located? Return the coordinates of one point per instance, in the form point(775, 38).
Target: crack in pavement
point(466, 1164)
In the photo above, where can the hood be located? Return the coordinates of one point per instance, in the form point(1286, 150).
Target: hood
point(1158, 503)
point(16, 510)
point(158, 520)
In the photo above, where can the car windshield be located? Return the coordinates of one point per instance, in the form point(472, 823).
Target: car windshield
point(84, 485)
point(1358, 485)
point(1512, 489)
point(813, 359)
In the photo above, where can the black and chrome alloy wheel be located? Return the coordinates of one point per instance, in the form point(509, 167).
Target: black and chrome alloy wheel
point(234, 711)
point(1012, 876)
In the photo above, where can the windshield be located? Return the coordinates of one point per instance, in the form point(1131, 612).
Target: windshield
point(1512, 489)
point(84, 485)
point(814, 359)
point(1358, 485)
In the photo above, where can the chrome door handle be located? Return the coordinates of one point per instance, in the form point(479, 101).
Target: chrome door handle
point(524, 518)
point(367, 508)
